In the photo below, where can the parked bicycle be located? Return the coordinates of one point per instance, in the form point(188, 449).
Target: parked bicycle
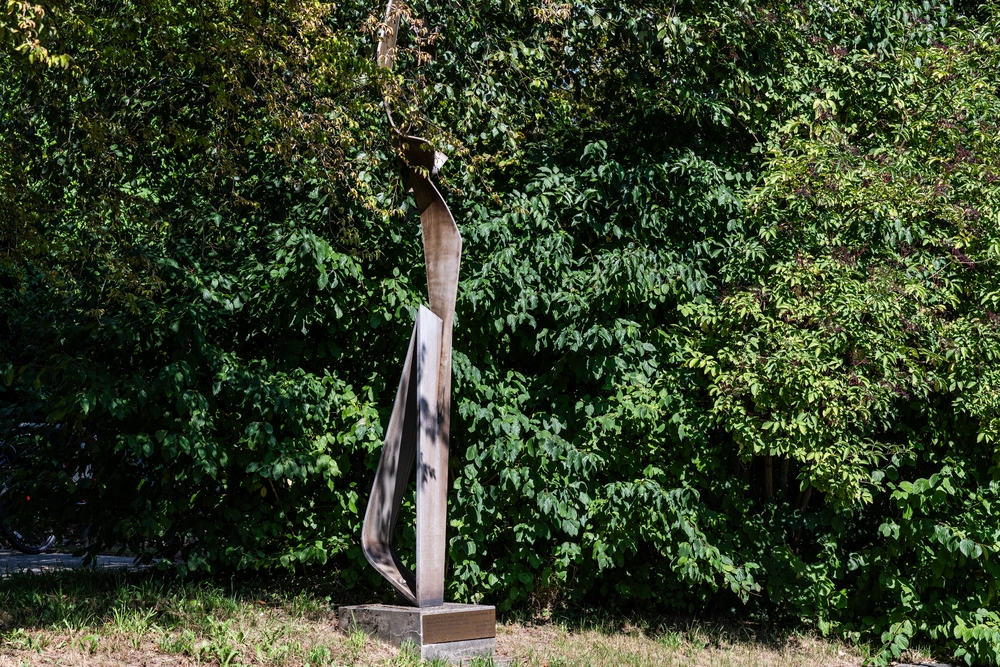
point(25, 534)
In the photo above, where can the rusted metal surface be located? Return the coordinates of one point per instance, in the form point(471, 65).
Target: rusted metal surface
point(459, 625)
point(420, 422)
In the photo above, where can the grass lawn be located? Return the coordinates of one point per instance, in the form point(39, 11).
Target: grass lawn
point(78, 618)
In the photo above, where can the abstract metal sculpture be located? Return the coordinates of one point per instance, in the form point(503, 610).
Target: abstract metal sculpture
point(419, 424)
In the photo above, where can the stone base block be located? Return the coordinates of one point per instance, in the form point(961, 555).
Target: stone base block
point(454, 633)
point(459, 653)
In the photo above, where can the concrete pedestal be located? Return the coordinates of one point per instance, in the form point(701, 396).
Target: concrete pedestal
point(455, 633)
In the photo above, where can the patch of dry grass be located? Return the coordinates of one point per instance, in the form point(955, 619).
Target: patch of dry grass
point(98, 619)
point(696, 645)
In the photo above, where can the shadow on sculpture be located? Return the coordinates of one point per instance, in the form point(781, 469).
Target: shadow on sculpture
point(419, 425)
point(417, 436)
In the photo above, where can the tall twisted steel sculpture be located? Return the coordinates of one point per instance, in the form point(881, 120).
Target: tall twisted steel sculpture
point(419, 424)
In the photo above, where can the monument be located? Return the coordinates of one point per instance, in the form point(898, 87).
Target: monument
point(417, 438)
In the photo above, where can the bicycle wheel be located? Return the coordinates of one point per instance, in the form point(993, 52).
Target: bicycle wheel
point(25, 533)
point(29, 543)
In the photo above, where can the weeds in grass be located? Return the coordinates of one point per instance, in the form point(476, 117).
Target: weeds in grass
point(319, 656)
point(19, 638)
point(132, 623)
point(409, 653)
point(670, 640)
point(178, 643)
point(89, 643)
point(223, 641)
point(356, 643)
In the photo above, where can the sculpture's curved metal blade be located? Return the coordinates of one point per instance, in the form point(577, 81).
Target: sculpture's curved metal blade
point(420, 421)
point(412, 434)
point(394, 468)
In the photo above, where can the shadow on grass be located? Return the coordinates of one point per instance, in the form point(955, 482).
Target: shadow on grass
point(80, 598)
point(665, 627)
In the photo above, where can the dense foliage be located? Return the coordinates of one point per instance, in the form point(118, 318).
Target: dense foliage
point(726, 334)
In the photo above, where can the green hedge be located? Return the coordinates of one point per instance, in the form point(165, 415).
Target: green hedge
point(725, 337)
